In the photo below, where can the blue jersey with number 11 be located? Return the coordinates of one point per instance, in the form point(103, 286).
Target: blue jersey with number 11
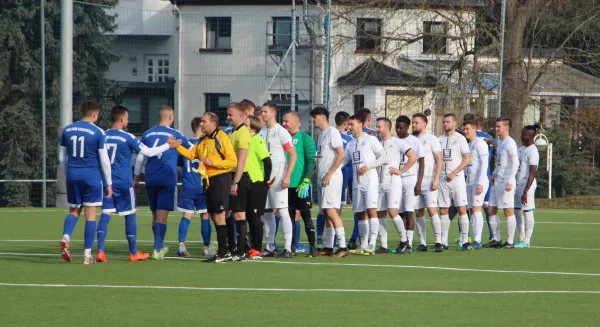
point(83, 140)
point(162, 169)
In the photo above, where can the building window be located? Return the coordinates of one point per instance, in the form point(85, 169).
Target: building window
point(218, 33)
point(359, 102)
point(283, 102)
point(434, 37)
point(157, 69)
point(368, 34)
point(143, 108)
point(282, 31)
point(217, 103)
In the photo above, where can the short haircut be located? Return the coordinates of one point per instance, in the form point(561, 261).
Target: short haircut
point(479, 120)
point(387, 122)
point(255, 124)
point(257, 111)
point(88, 107)
point(117, 112)
point(403, 119)
point(358, 117)
point(196, 123)
point(505, 120)
point(468, 117)
point(341, 117)
point(471, 122)
point(271, 104)
point(248, 105)
point(533, 128)
point(164, 110)
point(213, 117)
point(364, 112)
point(319, 111)
point(453, 116)
point(293, 113)
point(236, 105)
point(420, 115)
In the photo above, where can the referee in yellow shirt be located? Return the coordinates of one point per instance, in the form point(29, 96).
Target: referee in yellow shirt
point(217, 161)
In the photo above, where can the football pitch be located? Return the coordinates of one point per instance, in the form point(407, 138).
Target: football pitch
point(554, 283)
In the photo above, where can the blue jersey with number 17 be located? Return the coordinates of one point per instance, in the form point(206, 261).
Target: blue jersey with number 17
point(191, 181)
point(120, 152)
point(83, 140)
point(162, 169)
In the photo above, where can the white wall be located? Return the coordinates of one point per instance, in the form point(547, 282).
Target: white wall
point(144, 17)
point(133, 52)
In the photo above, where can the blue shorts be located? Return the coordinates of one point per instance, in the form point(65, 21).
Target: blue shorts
point(192, 205)
point(161, 197)
point(122, 202)
point(346, 183)
point(87, 192)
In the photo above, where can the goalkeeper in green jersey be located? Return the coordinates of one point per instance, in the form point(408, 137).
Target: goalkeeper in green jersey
point(299, 197)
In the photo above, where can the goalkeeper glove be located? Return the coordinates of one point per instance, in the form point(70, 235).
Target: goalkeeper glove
point(303, 188)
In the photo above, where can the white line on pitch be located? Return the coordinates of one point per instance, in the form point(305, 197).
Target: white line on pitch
point(296, 290)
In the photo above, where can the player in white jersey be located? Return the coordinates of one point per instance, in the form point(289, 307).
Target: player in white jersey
point(366, 154)
point(456, 156)
point(330, 155)
point(477, 180)
point(278, 141)
point(410, 178)
point(427, 190)
point(529, 159)
point(503, 180)
point(390, 187)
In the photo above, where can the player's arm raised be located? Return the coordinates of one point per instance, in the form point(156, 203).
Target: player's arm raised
point(188, 154)
point(152, 152)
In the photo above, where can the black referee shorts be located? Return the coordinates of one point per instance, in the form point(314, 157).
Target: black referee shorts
point(297, 203)
point(238, 203)
point(257, 198)
point(217, 194)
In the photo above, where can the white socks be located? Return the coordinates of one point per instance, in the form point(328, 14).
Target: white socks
point(436, 226)
point(383, 232)
point(87, 253)
point(445, 221)
point(520, 224)
point(409, 237)
point(463, 222)
point(421, 230)
point(287, 228)
point(269, 226)
point(529, 222)
point(402, 232)
point(374, 228)
point(511, 225)
point(363, 230)
point(329, 237)
point(495, 227)
point(341, 237)
point(477, 226)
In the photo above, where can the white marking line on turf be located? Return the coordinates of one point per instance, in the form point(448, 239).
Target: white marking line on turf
point(296, 290)
point(559, 273)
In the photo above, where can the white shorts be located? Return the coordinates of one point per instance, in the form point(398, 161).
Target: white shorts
point(409, 199)
point(365, 197)
point(453, 194)
point(530, 198)
point(427, 198)
point(474, 200)
point(389, 196)
point(330, 196)
point(501, 199)
point(277, 197)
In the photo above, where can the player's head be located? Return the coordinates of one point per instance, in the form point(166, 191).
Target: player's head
point(258, 114)
point(366, 113)
point(402, 126)
point(90, 110)
point(528, 133)
point(196, 124)
point(248, 106)
point(166, 115)
point(383, 127)
point(120, 116)
point(269, 112)
point(419, 123)
point(356, 124)
point(254, 124)
point(320, 117)
point(449, 122)
point(209, 123)
point(468, 117)
point(479, 120)
point(291, 122)
point(235, 114)
point(503, 125)
point(341, 120)
point(470, 129)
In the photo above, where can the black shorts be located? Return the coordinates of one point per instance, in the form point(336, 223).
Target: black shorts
point(297, 203)
point(217, 194)
point(257, 198)
point(238, 203)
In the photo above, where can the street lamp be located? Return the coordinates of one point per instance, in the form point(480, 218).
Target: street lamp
point(543, 145)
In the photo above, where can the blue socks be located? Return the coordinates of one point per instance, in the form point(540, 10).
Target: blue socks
point(205, 229)
point(69, 226)
point(184, 225)
point(297, 235)
point(320, 227)
point(102, 230)
point(355, 234)
point(131, 232)
point(159, 236)
point(90, 233)
point(487, 219)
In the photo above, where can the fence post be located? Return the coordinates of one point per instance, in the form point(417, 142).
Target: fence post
point(43, 104)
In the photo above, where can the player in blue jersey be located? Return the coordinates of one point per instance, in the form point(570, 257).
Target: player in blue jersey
point(161, 176)
point(84, 160)
point(120, 146)
point(192, 199)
